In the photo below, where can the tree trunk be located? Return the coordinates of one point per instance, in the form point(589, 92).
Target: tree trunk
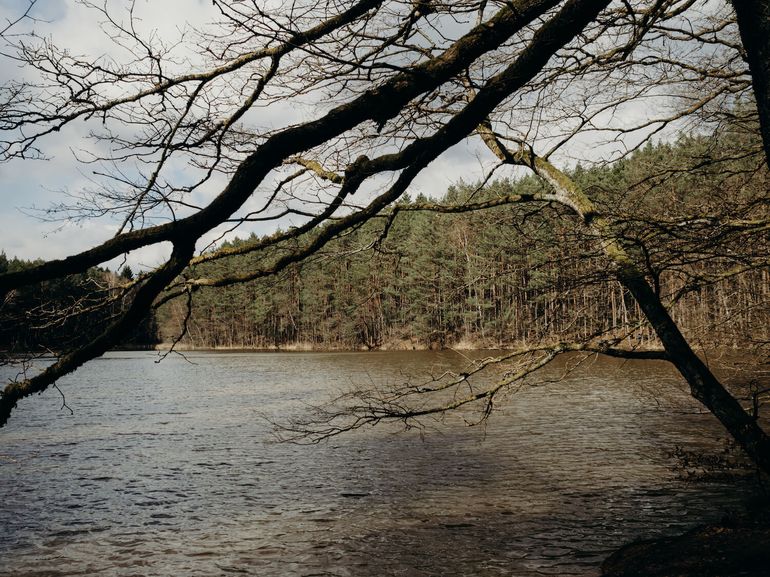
point(754, 24)
point(704, 386)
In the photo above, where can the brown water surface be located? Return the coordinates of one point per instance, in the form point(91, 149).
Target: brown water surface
point(169, 469)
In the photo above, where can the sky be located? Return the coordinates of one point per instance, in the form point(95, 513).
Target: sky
point(29, 187)
point(26, 187)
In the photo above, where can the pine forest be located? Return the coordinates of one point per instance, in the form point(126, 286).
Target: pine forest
point(500, 277)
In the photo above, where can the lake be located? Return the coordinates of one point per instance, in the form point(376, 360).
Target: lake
point(172, 469)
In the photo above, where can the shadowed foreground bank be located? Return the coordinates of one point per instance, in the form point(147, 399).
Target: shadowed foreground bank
point(719, 550)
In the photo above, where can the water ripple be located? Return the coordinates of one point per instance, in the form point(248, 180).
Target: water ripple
point(165, 470)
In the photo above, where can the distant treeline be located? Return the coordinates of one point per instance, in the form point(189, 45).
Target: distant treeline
point(693, 213)
point(62, 313)
point(518, 273)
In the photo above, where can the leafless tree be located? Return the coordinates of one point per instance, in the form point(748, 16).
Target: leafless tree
point(389, 86)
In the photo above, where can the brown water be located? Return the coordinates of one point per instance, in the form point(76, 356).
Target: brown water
point(168, 469)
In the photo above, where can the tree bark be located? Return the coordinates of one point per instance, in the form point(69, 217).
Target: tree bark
point(754, 24)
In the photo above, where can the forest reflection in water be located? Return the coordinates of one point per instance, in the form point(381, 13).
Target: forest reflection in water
point(170, 469)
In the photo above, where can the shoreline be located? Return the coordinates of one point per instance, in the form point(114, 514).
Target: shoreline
point(403, 345)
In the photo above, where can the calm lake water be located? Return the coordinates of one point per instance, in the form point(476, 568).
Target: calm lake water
point(171, 469)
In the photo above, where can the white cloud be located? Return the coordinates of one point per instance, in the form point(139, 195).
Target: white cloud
point(468, 161)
